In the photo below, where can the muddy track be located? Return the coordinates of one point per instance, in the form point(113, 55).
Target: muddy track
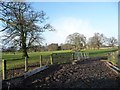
point(92, 73)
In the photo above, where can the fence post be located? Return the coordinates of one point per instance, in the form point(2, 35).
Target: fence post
point(26, 64)
point(73, 55)
point(40, 60)
point(118, 61)
point(13, 71)
point(51, 59)
point(85, 54)
point(4, 69)
point(109, 56)
point(78, 55)
point(88, 55)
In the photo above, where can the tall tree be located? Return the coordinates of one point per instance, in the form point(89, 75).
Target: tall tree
point(20, 24)
point(112, 41)
point(76, 39)
point(97, 40)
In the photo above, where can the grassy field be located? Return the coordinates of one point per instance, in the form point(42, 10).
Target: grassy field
point(15, 60)
point(101, 52)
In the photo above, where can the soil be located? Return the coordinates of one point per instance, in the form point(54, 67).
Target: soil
point(18, 71)
point(90, 73)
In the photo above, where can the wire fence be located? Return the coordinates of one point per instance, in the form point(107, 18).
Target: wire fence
point(113, 58)
point(14, 68)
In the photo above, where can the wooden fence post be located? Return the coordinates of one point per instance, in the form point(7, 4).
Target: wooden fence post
point(13, 71)
point(51, 59)
point(118, 61)
point(73, 55)
point(108, 56)
point(4, 69)
point(81, 55)
point(40, 60)
point(88, 55)
point(26, 64)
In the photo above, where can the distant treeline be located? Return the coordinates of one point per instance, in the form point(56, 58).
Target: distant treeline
point(75, 42)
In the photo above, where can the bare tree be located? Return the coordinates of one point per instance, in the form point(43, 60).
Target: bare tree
point(77, 40)
point(91, 43)
point(97, 40)
point(112, 41)
point(20, 24)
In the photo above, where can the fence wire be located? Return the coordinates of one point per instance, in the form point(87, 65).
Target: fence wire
point(16, 67)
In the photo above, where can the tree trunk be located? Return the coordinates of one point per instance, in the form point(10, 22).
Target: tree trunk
point(23, 41)
point(98, 48)
point(25, 54)
point(24, 49)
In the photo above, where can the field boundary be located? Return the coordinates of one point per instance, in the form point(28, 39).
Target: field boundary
point(112, 67)
point(30, 73)
point(19, 79)
point(44, 60)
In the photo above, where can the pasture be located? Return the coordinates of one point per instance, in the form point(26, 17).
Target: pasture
point(16, 60)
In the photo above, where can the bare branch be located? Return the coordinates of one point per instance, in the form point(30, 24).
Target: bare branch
point(12, 24)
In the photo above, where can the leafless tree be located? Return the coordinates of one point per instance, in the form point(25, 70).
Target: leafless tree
point(97, 40)
point(77, 40)
point(22, 25)
point(112, 41)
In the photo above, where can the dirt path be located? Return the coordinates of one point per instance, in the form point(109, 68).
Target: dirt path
point(91, 73)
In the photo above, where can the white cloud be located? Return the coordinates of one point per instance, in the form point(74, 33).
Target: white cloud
point(68, 25)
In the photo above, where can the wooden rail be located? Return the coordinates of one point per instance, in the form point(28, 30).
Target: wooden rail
point(52, 60)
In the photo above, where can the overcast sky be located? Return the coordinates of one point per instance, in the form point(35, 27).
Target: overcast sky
point(82, 17)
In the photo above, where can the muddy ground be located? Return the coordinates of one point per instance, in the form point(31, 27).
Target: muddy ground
point(91, 73)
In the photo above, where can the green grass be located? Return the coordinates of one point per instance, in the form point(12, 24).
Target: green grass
point(113, 62)
point(34, 57)
point(100, 52)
